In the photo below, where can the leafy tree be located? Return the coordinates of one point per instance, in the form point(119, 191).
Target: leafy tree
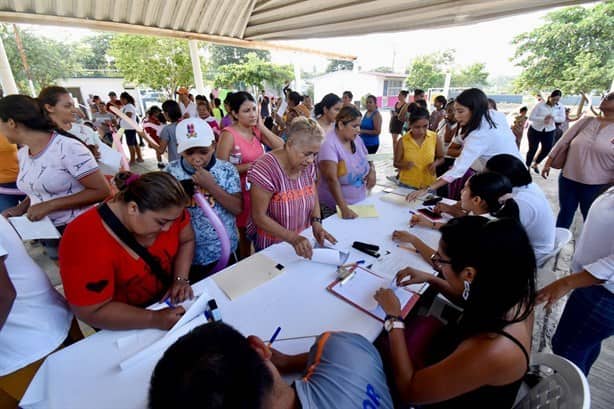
point(162, 64)
point(222, 55)
point(253, 72)
point(429, 71)
point(571, 51)
point(474, 75)
point(49, 60)
point(97, 46)
point(339, 65)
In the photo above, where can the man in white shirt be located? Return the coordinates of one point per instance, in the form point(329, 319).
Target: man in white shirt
point(588, 318)
point(188, 108)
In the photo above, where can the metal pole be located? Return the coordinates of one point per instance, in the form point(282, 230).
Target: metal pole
point(6, 75)
point(198, 74)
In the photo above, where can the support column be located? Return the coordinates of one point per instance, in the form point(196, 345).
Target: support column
point(6, 75)
point(198, 74)
point(297, 76)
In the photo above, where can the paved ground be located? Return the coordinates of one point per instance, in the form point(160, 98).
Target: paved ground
point(601, 379)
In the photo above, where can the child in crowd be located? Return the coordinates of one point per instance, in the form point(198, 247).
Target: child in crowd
point(168, 139)
point(520, 123)
point(204, 113)
point(218, 180)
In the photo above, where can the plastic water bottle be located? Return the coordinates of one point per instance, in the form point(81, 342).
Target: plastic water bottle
point(235, 156)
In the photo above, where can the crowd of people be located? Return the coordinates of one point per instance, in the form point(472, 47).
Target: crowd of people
point(271, 168)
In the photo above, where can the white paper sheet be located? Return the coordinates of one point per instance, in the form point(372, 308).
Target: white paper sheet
point(29, 230)
point(389, 265)
point(110, 159)
point(329, 256)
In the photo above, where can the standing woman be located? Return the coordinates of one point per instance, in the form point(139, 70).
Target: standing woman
point(371, 125)
point(486, 134)
point(346, 172)
point(129, 109)
point(58, 173)
point(589, 165)
point(284, 195)
point(543, 117)
point(418, 153)
point(241, 144)
point(153, 125)
point(396, 121)
point(326, 111)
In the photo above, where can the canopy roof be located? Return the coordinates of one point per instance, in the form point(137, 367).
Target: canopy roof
point(249, 23)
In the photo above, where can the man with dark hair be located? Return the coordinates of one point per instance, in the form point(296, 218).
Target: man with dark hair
point(215, 367)
point(419, 95)
point(347, 97)
point(113, 101)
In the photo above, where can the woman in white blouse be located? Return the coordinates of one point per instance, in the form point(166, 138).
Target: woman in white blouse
point(543, 117)
point(487, 134)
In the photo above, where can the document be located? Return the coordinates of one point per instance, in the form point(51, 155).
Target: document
point(329, 256)
point(365, 211)
point(246, 275)
point(110, 159)
point(29, 230)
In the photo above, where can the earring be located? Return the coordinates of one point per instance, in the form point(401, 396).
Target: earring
point(466, 290)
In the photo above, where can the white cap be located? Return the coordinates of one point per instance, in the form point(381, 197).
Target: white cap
point(193, 133)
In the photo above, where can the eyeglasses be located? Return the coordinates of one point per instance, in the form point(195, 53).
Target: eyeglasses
point(436, 259)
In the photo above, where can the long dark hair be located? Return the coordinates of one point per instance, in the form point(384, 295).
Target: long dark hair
point(477, 102)
point(504, 284)
point(329, 101)
point(493, 188)
point(236, 99)
point(151, 191)
point(511, 167)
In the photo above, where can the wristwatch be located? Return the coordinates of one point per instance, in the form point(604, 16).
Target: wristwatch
point(393, 322)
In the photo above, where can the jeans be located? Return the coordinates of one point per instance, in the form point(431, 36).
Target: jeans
point(587, 320)
point(7, 201)
point(572, 193)
point(535, 138)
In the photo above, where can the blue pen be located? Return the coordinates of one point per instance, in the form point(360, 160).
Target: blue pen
point(168, 302)
point(274, 337)
point(412, 212)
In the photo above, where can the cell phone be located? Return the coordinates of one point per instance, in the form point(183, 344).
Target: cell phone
point(430, 214)
point(432, 201)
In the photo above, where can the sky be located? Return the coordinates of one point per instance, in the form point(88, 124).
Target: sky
point(488, 42)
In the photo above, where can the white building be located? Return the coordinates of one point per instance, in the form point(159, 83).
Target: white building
point(385, 86)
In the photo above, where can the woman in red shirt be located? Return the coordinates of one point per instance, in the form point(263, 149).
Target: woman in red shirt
point(108, 285)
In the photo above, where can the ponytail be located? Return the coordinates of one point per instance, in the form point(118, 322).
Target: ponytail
point(496, 190)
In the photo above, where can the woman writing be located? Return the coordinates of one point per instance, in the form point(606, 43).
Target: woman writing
point(418, 153)
point(241, 145)
point(284, 194)
point(371, 125)
point(486, 135)
point(346, 172)
point(589, 165)
point(140, 248)
point(480, 361)
point(326, 111)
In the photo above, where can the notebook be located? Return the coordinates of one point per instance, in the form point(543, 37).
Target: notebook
point(246, 275)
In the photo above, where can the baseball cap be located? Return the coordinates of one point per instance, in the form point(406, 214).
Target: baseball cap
point(193, 133)
point(183, 90)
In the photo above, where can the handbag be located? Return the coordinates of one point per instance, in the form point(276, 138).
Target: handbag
point(558, 161)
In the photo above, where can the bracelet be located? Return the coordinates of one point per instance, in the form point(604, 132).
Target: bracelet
point(185, 280)
point(316, 220)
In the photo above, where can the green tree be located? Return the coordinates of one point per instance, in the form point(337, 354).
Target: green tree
point(49, 60)
point(474, 75)
point(253, 72)
point(162, 64)
point(339, 65)
point(222, 55)
point(97, 46)
point(429, 71)
point(573, 51)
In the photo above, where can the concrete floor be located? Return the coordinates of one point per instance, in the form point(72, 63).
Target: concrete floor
point(601, 379)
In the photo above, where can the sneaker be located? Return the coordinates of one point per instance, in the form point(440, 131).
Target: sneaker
point(535, 168)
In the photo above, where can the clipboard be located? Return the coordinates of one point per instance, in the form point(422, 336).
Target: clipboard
point(360, 289)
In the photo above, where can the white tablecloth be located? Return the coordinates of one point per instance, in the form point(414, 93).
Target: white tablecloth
point(87, 374)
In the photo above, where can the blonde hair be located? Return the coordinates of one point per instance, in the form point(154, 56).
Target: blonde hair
point(304, 130)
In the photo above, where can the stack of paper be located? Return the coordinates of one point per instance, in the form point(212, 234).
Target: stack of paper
point(29, 230)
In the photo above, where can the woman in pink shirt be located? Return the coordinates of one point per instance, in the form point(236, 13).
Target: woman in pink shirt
point(241, 144)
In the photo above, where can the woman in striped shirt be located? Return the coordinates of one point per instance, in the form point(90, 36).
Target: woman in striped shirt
point(284, 195)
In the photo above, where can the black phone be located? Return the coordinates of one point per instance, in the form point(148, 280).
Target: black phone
point(432, 201)
point(430, 214)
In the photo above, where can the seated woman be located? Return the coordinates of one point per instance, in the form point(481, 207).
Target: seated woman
point(478, 362)
point(217, 180)
point(140, 247)
point(535, 212)
point(57, 171)
point(418, 153)
point(284, 195)
point(34, 318)
point(346, 172)
point(485, 194)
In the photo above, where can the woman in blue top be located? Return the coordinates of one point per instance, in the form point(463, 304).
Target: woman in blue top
point(371, 125)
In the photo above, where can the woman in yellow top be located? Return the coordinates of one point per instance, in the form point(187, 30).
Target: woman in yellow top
point(8, 173)
point(418, 153)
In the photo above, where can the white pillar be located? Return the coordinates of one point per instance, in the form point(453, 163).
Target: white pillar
point(446, 85)
point(198, 74)
point(297, 76)
point(6, 75)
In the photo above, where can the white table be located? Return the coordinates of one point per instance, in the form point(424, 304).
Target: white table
point(87, 374)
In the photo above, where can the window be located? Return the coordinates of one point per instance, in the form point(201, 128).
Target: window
point(392, 87)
